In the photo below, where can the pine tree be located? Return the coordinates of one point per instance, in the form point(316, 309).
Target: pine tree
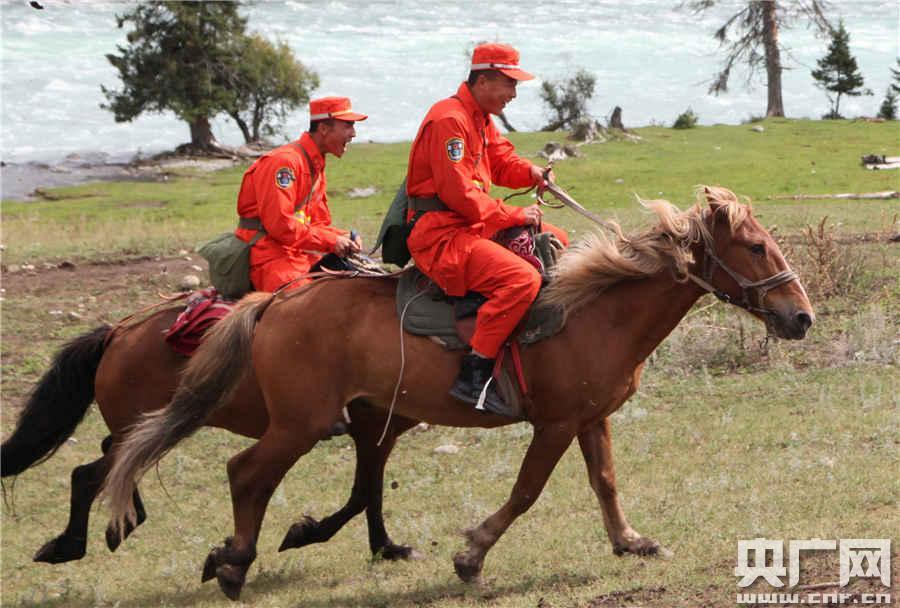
point(751, 36)
point(895, 86)
point(838, 72)
point(888, 109)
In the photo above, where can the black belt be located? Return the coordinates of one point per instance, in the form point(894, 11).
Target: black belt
point(250, 223)
point(427, 204)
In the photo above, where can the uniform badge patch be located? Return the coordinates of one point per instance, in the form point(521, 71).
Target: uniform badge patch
point(284, 177)
point(455, 149)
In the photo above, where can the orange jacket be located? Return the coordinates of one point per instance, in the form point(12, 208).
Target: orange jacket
point(457, 155)
point(272, 188)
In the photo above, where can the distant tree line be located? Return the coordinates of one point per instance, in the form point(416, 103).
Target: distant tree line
point(197, 60)
point(749, 36)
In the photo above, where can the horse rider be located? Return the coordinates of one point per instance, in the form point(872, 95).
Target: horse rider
point(457, 155)
point(283, 196)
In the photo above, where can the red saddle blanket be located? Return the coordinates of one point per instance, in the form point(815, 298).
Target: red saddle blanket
point(201, 312)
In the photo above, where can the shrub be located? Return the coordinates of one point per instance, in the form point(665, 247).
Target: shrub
point(567, 101)
point(686, 120)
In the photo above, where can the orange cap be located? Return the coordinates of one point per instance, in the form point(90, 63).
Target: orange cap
point(500, 57)
point(333, 107)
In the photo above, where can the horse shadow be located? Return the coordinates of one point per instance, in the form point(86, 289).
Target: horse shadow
point(269, 583)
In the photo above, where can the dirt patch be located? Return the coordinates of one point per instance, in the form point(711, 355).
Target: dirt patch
point(70, 281)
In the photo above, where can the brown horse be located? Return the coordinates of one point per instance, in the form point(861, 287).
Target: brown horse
point(622, 298)
point(131, 370)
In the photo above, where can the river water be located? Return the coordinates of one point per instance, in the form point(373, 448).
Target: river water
point(396, 58)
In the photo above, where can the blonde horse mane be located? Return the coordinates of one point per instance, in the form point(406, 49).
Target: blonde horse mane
point(598, 262)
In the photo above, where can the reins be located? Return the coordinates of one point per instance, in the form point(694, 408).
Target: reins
point(748, 288)
point(759, 289)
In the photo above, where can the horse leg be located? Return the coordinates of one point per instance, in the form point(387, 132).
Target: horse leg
point(596, 446)
point(86, 482)
point(547, 446)
point(253, 475)
point(367, 492)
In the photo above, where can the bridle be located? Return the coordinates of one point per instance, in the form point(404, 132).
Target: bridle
point(753, 293)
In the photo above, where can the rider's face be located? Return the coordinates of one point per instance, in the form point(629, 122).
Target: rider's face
point(336, 135)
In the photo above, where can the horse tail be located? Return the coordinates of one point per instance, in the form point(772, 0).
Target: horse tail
point(209, 379)
point(56, 405)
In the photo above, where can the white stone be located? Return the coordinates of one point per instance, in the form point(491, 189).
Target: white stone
point(189, 282)
point(362, 192)
point(447, 449)
point(757, 128)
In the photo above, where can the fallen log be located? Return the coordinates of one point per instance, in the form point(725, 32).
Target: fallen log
point(888, 194)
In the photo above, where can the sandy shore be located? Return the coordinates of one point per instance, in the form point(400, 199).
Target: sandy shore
point(19, 181)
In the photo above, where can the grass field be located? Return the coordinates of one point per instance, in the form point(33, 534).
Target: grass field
point(726, 440)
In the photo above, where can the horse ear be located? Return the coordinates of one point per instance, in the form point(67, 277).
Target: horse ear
point(713, 199)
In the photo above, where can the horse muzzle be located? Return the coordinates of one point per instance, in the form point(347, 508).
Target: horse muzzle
point(792, 326)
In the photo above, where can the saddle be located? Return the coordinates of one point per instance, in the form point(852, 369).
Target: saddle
point(425, 310)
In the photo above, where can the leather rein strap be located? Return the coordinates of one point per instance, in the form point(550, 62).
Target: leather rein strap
point(749, 289)
point(753, 293)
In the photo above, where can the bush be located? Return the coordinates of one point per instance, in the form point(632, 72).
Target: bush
point(888, 110)
point(686, 120)
point(567, 101)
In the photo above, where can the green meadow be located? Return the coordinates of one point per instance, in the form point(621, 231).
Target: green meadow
point(729, 437)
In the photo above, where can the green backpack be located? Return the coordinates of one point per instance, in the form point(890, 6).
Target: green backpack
point(229, 263)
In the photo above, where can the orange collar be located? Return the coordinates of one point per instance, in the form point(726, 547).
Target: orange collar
point(313, 150)
point(469, 103)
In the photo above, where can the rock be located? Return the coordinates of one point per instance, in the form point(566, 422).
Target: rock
point(66, 265)
point(182, 252)
point(586, 130)
point(188, 258)
point(27, 267)
point(447, 449)
point(55, 313)
point(189, 282)
point(420, 428)
point(554, 151)
point(73, 316)
point(619, 180)
point(49, 266)
point(362, 192)
point(13, 268)
point(757, 128)
point(196, 268)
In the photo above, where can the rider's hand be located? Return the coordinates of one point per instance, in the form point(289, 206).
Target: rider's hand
point(537, 178)
point(533, 215)
point(344, 246)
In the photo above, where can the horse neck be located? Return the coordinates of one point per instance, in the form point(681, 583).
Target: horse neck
point(636, 315)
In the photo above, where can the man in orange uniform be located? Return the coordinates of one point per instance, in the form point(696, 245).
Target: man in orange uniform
point(456, 156)
point(283, 196)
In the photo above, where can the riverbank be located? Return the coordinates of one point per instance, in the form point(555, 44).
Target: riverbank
point(32, 181)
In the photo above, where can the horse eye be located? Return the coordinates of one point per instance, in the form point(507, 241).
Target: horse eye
point(758, 249)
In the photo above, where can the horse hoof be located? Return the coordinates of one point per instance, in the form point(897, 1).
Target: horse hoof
point(209, 566)
point(113, 539)
point(231, 580)
point(394, 552)
point(643, 546)
point(300, 534)
point(60, 550)
point(467, 569)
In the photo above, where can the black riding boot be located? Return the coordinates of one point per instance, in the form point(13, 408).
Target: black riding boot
point(474, 373)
